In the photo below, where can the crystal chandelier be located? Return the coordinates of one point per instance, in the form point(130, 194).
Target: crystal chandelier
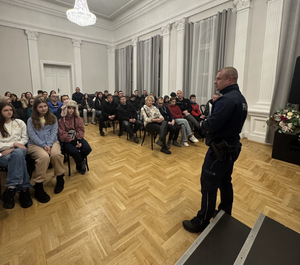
point(81, 14)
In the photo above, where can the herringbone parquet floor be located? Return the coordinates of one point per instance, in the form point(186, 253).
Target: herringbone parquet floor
point(129, 207)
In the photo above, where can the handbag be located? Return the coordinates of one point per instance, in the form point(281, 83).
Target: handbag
point(72, 133)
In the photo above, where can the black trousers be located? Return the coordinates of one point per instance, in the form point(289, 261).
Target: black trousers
point(174, 131)
point(102, 119)
point(131, 127)
point(216, 175)
point(161, 128)
point(85, 149)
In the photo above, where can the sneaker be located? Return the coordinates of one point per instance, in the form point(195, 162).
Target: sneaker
point(169, 144)
point(40, 194)
point(193, 139)
point(60, 182)
point(102, 133)
point(8, 198)
point(24, 198)
point(166, 151)
point(94, 123)
point(86, 124)
point(195, 225)
point(159, 142)
point(185, 144)
point(175, 143)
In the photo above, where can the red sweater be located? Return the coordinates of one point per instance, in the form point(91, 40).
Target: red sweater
point(65, 124)
point(176, 111)
point(195, 110)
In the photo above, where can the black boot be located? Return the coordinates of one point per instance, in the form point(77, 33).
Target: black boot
point(8, 198)
point(164, 148)
point(40, 194)
point(24, 198)
point(81, 168)
point(59, 184)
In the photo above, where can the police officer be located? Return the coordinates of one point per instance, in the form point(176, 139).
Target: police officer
point(223, 127)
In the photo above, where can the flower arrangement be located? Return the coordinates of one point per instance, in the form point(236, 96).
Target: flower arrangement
point(286, 120)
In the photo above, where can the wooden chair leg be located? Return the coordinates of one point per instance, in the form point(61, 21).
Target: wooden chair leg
point(143, 138)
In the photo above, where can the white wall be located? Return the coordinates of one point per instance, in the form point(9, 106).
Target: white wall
point(15, 65)
point(94, 67)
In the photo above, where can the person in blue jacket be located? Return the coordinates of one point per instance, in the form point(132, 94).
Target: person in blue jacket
point(43, 147)
point(54, 104)
point(223, 126)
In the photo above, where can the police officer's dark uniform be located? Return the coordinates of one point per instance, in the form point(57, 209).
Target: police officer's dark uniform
point(223, 127)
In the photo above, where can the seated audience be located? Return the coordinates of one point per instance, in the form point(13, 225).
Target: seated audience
point(77, 96)
point(7, 94)
point(186, 131)
point(13, 138)
point(29, 107)
point(128, 117)
point(195, 108)
point(142, 102)
point(45, 94)
point(54, 104)
point(154, 121)
point(43, 147)
point(209, 105)
point(87, 106)
point(96, 94)
point(15, 101)
point(71, 135)
point(40, 92)
point(137, 98)
point(105, 94)
point(153, 95)
point(63, 98)
point(99, 103)
point(116, 96)
point(28, 95)
point(109, 112)
point(5, 100)
point(24, 101)
point(166, 100)
point(173, 127)
point(186, 108)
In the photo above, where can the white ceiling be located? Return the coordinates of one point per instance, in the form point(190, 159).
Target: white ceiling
point(108, 9)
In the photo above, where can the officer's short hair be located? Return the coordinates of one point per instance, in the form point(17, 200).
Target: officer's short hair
point(230, 71)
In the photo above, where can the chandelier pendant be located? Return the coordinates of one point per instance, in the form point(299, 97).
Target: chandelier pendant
point(81, 14)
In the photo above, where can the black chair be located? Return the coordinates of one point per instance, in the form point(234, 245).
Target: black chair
point(202, 108)
point(113, 123)
point(153, 136)
point(67, 155)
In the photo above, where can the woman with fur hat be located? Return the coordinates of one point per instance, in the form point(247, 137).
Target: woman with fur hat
point(71, 133)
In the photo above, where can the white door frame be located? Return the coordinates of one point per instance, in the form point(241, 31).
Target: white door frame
point(42, 64)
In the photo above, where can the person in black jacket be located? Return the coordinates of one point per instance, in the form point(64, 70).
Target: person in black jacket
point(77, 96)
point(98, 104)
point(109, 112)
point(173, 127)
point(88, 107)
point(185, 105)
point(223, 126)
point(142, 102)
point(137, 97)
point(128, 117)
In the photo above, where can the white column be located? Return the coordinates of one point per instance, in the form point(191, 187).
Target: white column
point(134, 63)
point(166, 59)
point(77, 59)
point(111, 68)
point(180, 25)
point(270, 53)
point(34, 60)
point(241, 32)
point(260, 112)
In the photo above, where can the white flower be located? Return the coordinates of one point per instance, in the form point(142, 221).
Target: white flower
point(290, 125)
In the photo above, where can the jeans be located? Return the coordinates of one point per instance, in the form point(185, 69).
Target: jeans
point(85, 149)
point(185, 129)
point(17, 174)
point(128, 127)
point(85, 115)
point(216, 175)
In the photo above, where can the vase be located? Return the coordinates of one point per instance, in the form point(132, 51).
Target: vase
point(286, 147)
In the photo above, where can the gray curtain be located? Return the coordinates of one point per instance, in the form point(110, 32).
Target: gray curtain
point(204, 54)
point(123, 69)
point(289, 50)
point(148, 65)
